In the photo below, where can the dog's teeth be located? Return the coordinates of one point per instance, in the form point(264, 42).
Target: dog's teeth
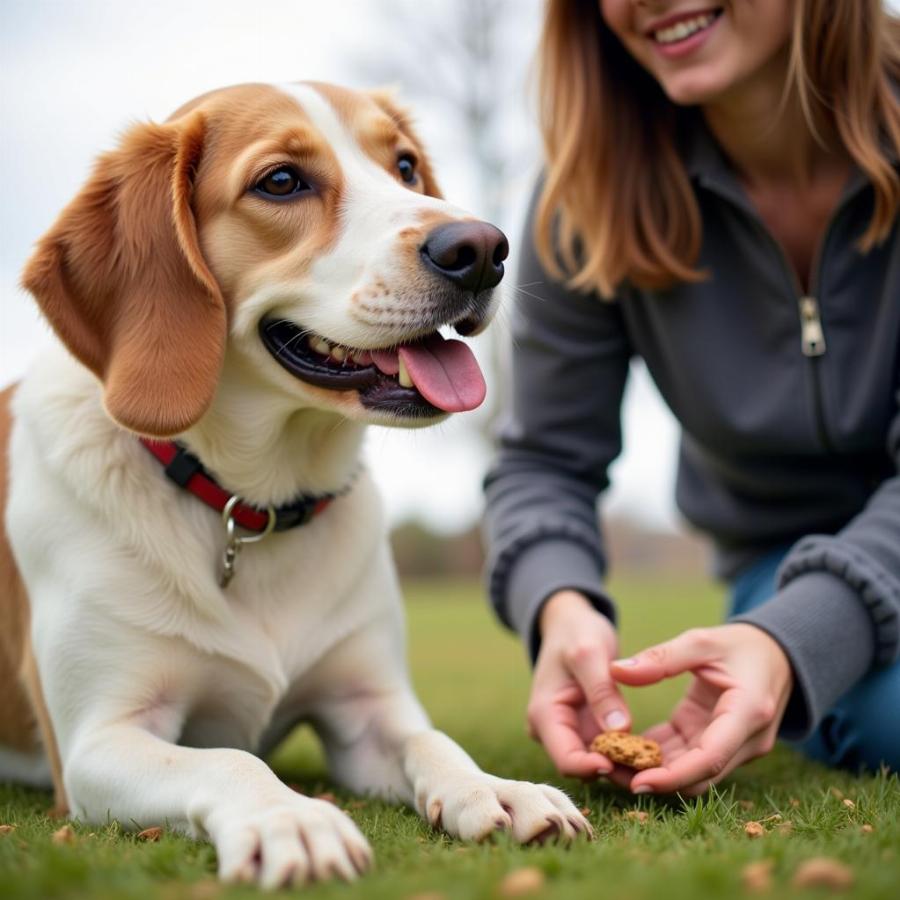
point(361, 357)
point(403, 375)
point(320, 345)
point(338, 353)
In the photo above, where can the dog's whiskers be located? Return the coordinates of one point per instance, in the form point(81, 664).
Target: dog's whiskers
point(521, 290)
point(299, 336)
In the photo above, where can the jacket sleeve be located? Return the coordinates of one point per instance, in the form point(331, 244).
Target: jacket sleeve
point(569, 364)
point(837, 610)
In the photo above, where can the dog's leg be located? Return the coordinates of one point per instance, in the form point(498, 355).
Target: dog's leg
point(32, 683)
point(262, 830)
point(117, 720)
point(379, 741)
point(452, 793)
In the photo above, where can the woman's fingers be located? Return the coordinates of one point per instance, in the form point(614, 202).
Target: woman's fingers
point(759, 745)
point(730, 714)
point(683, 653)
point(589, 666)
point(621, 776)
point(573, 694)
point(555, 725)
point(716, 753)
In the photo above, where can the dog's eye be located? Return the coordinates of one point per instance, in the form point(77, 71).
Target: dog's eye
point(406, 166)
point(281, 183)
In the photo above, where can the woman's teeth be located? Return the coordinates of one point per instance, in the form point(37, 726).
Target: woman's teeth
point(684, 29)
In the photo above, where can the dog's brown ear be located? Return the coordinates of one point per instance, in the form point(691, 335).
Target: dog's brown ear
point(386, 98)
point(122, 281)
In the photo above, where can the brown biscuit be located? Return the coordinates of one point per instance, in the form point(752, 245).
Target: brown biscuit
point(630, 750)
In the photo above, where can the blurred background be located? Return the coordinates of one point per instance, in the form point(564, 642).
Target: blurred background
point(75, 74)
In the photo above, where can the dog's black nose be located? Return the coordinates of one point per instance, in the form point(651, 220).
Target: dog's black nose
point(470, 254)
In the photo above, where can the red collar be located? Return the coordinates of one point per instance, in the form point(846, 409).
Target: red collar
point(187, 472)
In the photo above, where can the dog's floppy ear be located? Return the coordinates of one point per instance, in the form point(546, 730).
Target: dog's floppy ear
point(121, 279)
point(386, 98)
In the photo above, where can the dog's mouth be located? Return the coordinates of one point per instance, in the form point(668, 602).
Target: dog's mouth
point(426, 377)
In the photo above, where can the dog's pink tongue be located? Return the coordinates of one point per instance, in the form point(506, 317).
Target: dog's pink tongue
point(445, 373)
point(386, 361)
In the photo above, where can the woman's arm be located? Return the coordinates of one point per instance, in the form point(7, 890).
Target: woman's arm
point(782, 665)
point(560, 432)
point(837, 610)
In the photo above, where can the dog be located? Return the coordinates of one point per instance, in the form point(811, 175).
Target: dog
point(194, 561)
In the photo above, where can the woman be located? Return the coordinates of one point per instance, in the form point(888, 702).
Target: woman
point(721, 199)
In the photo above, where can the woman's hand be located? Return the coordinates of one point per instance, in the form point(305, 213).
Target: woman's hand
point(730, 714)
point(573, 695)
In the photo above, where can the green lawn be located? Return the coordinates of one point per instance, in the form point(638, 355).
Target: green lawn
point(473, 678)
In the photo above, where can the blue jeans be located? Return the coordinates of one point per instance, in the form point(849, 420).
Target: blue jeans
point(862, 730)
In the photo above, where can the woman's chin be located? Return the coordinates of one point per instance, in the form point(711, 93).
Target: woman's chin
point(693, 88)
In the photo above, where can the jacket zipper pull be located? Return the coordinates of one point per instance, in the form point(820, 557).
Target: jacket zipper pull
point(812, 338)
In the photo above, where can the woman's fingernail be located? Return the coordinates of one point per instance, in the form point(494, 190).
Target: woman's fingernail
point(629, 661)
point(643, 789)
point(616, 720)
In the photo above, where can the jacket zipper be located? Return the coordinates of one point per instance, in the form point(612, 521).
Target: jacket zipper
point(812, 338)
point(812, 343)
point(812, 335)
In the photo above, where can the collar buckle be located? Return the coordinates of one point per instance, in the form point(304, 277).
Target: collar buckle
point(234, 541)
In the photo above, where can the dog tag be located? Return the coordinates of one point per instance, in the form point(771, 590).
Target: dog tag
point(229, 557)
point(235, 542)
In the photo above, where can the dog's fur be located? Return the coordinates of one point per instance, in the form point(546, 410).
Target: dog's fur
point(147, 691)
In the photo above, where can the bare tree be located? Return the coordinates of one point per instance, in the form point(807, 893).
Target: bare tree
point(463, 63)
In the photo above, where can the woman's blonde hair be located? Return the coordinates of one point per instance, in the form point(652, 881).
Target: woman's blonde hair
point(617, 204)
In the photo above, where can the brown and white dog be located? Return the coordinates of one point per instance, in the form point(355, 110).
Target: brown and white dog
point(259, 277)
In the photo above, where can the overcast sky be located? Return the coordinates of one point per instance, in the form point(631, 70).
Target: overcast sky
point(74, 74)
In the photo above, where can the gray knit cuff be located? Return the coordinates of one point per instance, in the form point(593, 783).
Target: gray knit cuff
point(539, 572)
point(828, 636)
point(871, 583)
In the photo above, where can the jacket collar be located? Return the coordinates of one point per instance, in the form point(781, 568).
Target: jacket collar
point(707, 165)
point(703, 157)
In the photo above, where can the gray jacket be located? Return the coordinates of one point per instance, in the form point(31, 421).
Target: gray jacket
point(790, 414)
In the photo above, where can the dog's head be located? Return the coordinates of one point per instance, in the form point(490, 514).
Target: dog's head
point(300, 229)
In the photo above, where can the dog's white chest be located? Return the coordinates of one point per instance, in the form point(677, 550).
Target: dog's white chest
point(293, 601)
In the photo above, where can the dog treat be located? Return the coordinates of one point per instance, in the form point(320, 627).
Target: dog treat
point(754, 829)
point(630, 750)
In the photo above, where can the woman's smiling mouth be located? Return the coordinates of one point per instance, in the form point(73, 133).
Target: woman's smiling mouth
point(682, 33)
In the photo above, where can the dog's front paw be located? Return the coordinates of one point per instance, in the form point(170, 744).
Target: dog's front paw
point(288, 843)
point(474, 806)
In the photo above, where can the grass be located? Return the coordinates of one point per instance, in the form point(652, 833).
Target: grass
point(473, 679)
